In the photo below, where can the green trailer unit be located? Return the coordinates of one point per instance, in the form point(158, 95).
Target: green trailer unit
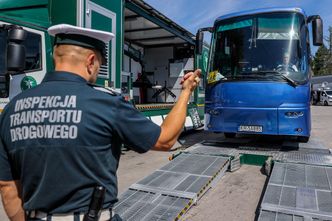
point(35, 16)
point(146, 44)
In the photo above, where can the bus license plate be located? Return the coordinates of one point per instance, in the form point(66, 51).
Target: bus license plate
point(247, 128)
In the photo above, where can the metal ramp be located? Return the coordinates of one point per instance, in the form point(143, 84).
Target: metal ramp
point(298, 192)
point(276, 216)
point(139, 205)
point(300, 186)
point(306, 157)
point(169, 192)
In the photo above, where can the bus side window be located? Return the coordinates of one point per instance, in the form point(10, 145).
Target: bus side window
point(33, 60)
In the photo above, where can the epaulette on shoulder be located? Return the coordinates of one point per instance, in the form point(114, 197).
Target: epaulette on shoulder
point(107, 90)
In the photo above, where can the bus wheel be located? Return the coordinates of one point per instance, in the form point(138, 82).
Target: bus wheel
point(230, 135)
point(303, 139)
point(326, 104)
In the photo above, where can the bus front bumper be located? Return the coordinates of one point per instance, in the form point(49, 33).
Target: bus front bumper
point(294, 121)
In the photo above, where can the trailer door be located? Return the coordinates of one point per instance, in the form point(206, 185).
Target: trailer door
point(98, 17)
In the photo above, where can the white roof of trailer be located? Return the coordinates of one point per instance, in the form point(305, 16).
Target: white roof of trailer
point(147, 27)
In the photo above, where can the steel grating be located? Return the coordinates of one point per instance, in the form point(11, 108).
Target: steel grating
point(168, 192)
point(291, 156)
point(185, 176)
point(309, 158)
point(212, 150)
point(137, 205)
point(295, 191)
point(227, 151)
point(298, 190)
point(196, 164)
point(276, 216)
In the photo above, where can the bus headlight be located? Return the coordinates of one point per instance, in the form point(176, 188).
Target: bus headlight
point(294, 114)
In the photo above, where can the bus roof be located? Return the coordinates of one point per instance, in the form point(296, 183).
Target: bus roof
point(259, 11)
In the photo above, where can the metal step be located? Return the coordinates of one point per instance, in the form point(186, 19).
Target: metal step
point(204, 149)
point(235, 164)
point(276, 216)
point(169, 192)
point(138, 205)
point(307, 158)
point(299, 190)
point(291, 156)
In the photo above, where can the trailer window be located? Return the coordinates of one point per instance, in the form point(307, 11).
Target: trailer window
point(32, 45)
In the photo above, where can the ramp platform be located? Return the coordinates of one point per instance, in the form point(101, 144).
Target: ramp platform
point(305, 155)
point(168, 192)
point(298, 190)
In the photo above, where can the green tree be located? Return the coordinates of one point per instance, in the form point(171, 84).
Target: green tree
point(321, 63)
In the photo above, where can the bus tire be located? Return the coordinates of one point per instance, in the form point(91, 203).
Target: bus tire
point(303, 139)
point(230, 135)
point(326, 104)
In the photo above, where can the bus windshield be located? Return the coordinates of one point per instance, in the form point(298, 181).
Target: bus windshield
point(260, 47)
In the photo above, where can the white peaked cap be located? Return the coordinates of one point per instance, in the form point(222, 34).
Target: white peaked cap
point(74, 30)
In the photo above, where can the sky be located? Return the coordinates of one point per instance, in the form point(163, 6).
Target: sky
point(194, 14)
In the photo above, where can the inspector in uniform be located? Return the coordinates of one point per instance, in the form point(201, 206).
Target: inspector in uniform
point(63, 137)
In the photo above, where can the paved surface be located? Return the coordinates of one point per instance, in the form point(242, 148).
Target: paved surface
point(236, 196)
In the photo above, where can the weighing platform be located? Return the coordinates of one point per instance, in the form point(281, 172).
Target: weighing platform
point(299, 187)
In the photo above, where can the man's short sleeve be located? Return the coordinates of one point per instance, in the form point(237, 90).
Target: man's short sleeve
point(135, 130)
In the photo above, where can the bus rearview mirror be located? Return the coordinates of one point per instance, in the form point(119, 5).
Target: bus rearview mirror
point(199, 42)
point(17, 35)
point(200, 39)
point(317, 31)
point(16, 50)
point(15, 57)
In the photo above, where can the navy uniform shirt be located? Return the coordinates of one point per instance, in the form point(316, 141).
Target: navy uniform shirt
point(64, 137)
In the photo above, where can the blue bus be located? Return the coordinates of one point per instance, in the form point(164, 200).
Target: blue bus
point(258, 79)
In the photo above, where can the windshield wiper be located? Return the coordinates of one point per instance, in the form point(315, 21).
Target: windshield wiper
point(258, 74)
point(248, 75)
point(288, 79)
point(279, 74)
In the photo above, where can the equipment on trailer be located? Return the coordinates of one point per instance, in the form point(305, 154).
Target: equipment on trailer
point(164, 90)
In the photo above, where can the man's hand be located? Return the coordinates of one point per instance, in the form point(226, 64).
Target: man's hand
point(191, 80)
point(173, 124)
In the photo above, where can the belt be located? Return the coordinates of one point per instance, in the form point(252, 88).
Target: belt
point(106, 215)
